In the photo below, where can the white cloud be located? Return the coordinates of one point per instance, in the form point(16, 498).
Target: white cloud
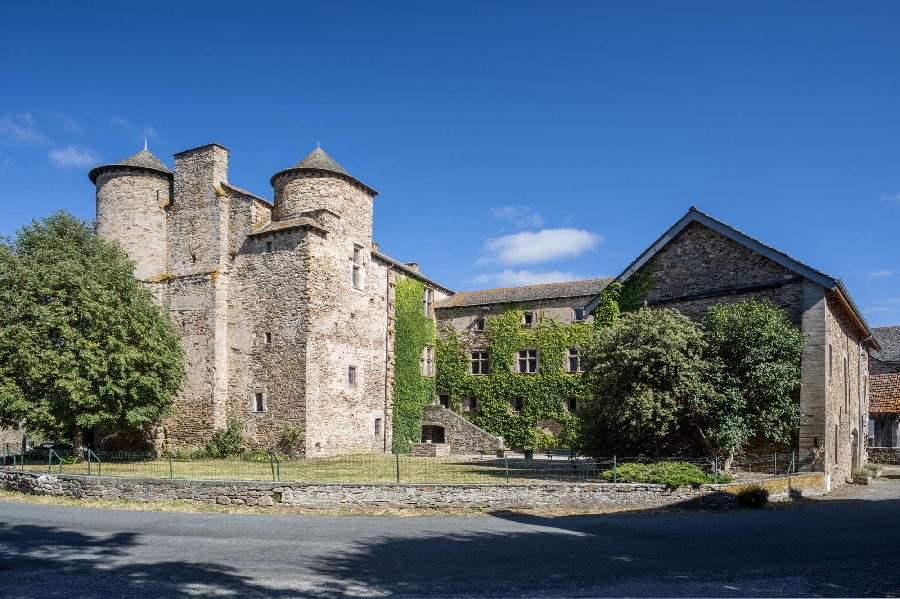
point(146, 131)
point(520, 216)
point(534, 248)
point(515, 278)
point(21, 128)
point(74, 156)
point(891, 198)
point(879, 309)
point(879, 273)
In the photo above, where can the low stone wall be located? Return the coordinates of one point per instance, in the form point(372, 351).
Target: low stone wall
point(429, 450)
point(463, 437)
point(530, 496)
point(884, 455)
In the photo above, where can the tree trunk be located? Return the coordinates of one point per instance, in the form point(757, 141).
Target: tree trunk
point(729, 458)
point(78, 441)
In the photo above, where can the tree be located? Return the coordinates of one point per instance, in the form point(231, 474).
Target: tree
point(756, 354)
point(82, 342)
point(645, 373)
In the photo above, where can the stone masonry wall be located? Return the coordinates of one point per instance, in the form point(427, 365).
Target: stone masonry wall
point(699, 260)
point(881, 455)
point(583, 496)
point(462, 436)
point(131, 210)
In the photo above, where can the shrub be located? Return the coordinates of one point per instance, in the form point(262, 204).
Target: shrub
point(671, 474)
point(860, 476)
point(873, 467)
point(753, 496)
point(255, 455)
point(226, 442)
point(291, 439)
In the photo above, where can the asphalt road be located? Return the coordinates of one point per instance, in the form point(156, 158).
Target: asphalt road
point(843, 546)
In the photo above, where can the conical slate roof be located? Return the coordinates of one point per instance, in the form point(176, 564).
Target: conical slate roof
point(318, 159)
point(142, 159)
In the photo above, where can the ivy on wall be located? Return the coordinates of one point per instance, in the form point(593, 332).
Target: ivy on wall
point(412, 332)
point(545, 392)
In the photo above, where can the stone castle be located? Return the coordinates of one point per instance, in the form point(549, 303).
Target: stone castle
point(287, 308)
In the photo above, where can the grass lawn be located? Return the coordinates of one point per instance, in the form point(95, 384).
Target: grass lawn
point(346, 469)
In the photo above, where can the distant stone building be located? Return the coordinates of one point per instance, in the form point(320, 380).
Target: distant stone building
point(884, 396)
point(285, 309)
point(701, 261)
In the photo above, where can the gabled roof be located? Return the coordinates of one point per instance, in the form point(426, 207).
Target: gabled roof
point(694, 215)
point(884, 393)
point(527, 293)
point(142, 160)
point(318, 160)
point(889, 340)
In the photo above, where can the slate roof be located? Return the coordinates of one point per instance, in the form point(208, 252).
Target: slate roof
point(889, 340)
point(695, 215)
point(399, 266)
point(528, 293)
point(142, 160)
point(318, 160)
point(283, 225)
point(884, 393)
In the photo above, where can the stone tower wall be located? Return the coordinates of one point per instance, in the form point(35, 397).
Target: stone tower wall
point(131, 210)
point(299, 193)
point(347, 327)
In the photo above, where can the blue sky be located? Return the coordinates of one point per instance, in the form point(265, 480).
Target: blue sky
point(511, 142)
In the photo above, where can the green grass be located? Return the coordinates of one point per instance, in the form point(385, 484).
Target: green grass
point(345, 469)
point(671, 474)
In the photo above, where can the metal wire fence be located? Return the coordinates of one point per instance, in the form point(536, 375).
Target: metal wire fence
point(384, 469)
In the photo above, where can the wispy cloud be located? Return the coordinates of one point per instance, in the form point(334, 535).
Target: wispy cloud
point(515, 278)
point(891, 198)
point(145, 131)
point(875, 309)
point(520, 216)
point(879, 273)
point(21, 128)
point(68, 123)
point(74, 156)
point(535, 248)
point(8, 166)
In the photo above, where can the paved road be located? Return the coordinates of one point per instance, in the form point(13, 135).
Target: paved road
point(843, 546)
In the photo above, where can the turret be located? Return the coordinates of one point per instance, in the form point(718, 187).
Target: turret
point(319, 183)
point(131, 199)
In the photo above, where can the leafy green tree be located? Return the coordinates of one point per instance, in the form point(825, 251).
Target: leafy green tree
point(756, 354)
point(82, 342)
point(645, 373)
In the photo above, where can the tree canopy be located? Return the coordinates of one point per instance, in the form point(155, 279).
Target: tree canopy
point(82, 342)
point(658, 383)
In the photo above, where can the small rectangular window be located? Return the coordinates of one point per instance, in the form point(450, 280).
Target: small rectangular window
point(378, 427)
point(481, 363)
point(517, 404)
point(527, 361)
point(479, 323)
point(470, 404)
point(357, 255)
point(572, 404)
point(428, 301)
point(258, 402)
point(268, 338)
point(444, 400)
point(426, 362)
point(573, 361)
point(579, 314)
point(356, 272)
point(351, 376)
point(528, 319)
point(268, 247)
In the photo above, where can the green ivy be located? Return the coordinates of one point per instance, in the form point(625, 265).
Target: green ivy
point(412, 391)
point(545, 392)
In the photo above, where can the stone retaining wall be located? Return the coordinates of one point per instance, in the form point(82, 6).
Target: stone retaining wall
point(266, 494)
point(884, 455)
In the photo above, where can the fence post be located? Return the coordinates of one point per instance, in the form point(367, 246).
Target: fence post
point(397, 462)
point(170, 466)
point(793, 464)
point(272, 464)
point(716, 474)
point(506, 467)
point(775, 464)
point(614, 470)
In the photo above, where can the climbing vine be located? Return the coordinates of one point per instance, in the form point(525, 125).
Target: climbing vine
point(545, 392)
point(412, 332)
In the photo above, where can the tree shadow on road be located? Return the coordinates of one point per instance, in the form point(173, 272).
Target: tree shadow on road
point(43, 561)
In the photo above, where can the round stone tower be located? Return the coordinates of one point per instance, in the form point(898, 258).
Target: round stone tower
point(319, 183)
point(131, 200)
